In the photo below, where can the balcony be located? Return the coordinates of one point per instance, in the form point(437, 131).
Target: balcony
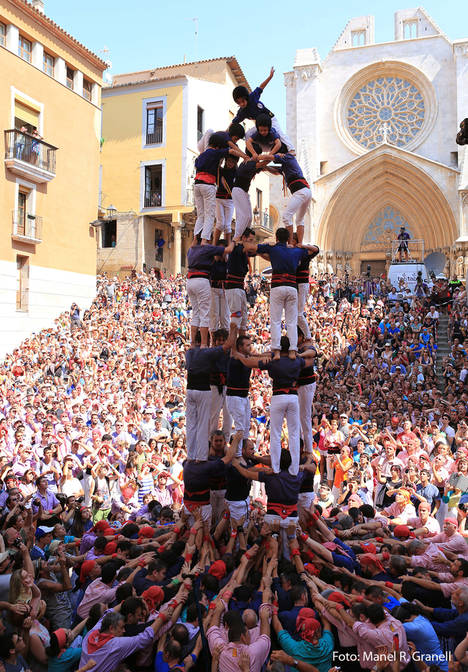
point(154, 135)
point(26, 228)
point(263, 221)
point(29, 156)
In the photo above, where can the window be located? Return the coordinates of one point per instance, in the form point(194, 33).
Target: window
point(2, 34)
point(24, 48)
point(21, 213)
point(109, 233)
point(323, 167)
point(153, 186)
point(200, 113)
point(48, 64)
point(358, 38)
point(259, 200)
point(22, 283)
point(410, 30)
point(154, 124)
point(454, 158)
point(87, 89)
point(70, 77)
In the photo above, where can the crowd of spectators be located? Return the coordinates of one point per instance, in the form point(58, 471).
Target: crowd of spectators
point(101, 568)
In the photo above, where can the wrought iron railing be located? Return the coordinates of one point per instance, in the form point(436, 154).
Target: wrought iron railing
point(156, 137)
point(31, 149)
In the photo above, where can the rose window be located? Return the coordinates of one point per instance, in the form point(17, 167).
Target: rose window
point(386, 109)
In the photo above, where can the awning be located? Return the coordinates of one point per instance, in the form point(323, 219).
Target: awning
point(26, 114)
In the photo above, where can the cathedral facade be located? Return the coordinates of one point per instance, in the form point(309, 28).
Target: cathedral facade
point(374, 127)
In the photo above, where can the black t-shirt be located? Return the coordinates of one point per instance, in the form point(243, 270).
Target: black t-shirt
point(237, 486)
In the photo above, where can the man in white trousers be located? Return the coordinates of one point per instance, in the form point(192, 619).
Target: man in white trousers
point(199, 259)
point(283, 293)
point(303, 286)
point(237, 269)
point(306, 385)
point(198, 363)
point(219, 309)
point(284, 373)
point(299, 189)
point(218, 447)
point(245, 173)
point(218, 388)
point(237, 388)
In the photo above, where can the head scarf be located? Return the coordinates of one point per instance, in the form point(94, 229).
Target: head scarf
point(368, 559)
point(306, 625)
point(218, 569)
point(153, 597)
point(86, 569)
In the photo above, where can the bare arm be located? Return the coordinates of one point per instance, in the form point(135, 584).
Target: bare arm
point(268, 79)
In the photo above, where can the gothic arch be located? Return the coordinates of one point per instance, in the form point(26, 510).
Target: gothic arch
point(383, 180)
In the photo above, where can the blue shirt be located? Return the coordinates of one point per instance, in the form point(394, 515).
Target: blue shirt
point(421, 632)
point(209, 160)
point(283, 259)
point(253, 108)
point(289, 167)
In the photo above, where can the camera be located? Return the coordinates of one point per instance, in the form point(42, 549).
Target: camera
point(17, 542)
point(36, 502)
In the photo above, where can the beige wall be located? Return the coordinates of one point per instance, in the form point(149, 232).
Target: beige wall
point(69, 201)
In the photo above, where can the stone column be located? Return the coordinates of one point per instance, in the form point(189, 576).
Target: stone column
point(177, 243)
point(12, 38)
point(60, 71)
point(38, 55)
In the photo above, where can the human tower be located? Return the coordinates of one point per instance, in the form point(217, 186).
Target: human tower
point(221, 463)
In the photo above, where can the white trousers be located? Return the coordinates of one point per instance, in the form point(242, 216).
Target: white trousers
point(284, 523)
point(240, 508)
point(197, 418)
point(297, 205)
point(239, 409)
point(305, 394)
point(218, 504)
point(206, 514)
point(224, 212)
point(218, 404)
point(284, 406)
point(204, 196)
point(241, 200)
point(237, 303)
point(283, 298)
point(274, 124)
point(199, 293)
point(305, 501)
point(219, 311)
point(302, 294)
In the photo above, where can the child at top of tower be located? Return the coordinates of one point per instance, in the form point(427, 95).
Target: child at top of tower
point(265, 138)
point(251, 107)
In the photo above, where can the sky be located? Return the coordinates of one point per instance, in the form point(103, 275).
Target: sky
point(142, 34)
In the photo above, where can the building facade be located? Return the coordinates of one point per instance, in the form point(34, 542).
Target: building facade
point(51, 125)
point(152, 121)
point(375, 126)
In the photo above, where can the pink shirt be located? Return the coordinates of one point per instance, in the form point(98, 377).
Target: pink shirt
point(448, 586)
point(370, 637)
point(394, 510)
point(429, 559)
point(432, 525)
point(97, 591)
point(345, 634)
point(228, 661)
point(455, 544)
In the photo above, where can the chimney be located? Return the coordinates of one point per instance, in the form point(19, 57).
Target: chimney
point(39, 5)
